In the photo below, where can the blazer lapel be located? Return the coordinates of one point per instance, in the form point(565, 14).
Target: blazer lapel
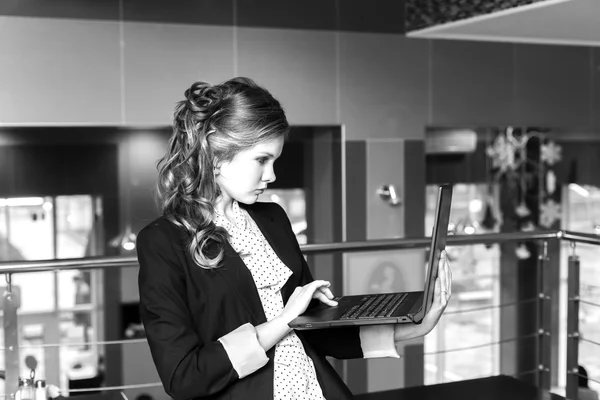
point(275, 233)
point(239, 277)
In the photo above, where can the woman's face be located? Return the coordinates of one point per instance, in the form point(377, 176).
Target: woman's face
point(247, 175)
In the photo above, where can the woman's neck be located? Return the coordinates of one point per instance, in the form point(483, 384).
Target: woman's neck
point(224, 206)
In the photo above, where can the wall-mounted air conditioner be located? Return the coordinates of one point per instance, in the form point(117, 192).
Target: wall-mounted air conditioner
point(450, 140)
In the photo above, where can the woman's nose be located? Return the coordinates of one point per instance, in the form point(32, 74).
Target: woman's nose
point(269, 174)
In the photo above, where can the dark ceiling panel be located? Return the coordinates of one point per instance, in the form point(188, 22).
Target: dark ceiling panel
point(205, 12)
point(348, 15)
point(76, 9)
point(372, 16)
point(306, 14)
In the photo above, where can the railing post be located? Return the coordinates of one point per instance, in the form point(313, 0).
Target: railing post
point(11, 339)
point(543, 315)
point(573, 326)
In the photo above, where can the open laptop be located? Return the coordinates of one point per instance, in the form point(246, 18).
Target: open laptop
point(386, 308)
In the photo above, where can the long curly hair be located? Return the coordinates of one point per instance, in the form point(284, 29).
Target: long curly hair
point(210, 126)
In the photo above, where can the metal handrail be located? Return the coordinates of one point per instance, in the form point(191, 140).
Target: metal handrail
point(369, 245)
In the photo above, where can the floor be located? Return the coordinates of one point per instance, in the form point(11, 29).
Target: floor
point(491, 388)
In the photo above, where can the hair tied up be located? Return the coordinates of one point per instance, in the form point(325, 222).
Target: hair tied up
point(203, 98)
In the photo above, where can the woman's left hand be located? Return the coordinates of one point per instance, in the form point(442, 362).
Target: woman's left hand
point(441, 296)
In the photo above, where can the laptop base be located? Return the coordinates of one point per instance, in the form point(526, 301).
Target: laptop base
point(324, 316)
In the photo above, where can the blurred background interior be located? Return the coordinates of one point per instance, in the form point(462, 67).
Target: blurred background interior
point(499, 98)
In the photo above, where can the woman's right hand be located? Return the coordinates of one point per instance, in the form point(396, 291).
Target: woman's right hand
point(300, 299)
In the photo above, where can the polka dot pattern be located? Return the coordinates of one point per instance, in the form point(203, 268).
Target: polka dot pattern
point(294, 374)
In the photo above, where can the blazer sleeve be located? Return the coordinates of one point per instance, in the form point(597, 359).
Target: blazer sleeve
point(188, 367)
point(340, 343)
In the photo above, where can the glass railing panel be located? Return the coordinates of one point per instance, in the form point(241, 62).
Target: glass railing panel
point(472, 316)
point(80, 354)
point(581, 213)
point(57, 330)
point(463, 346)
point(2, 362)
point(373, 272)
point(589, 312)
point(471, 321)
point(37, 292)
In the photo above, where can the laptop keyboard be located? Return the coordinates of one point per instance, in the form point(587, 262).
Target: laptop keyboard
point(375, 306)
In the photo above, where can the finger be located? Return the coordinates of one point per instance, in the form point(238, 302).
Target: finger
point(324, 299)
point(311, 288)
point(314, 285)
point(437, 288)
point(443, 278)
point(449, 274)
point(327, 292)
point(443, 293)
point(448, 280)
point(444, 275)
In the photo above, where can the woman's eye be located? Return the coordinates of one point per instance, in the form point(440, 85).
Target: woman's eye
point(262, 160)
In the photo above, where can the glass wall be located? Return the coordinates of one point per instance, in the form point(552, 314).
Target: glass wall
point(475, 285)
point(55, 307)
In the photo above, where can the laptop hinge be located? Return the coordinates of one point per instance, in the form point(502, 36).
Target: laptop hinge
point(415, 310)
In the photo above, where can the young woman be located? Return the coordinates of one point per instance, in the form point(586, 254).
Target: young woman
point(221, 275)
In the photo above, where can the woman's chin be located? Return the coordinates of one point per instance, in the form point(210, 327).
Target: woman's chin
point(249, 199)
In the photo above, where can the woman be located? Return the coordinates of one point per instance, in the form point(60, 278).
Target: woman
point(221, 275)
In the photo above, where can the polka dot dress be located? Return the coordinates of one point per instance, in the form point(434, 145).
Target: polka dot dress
point(294, 375)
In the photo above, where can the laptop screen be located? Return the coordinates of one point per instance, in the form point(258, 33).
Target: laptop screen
point(438, 244)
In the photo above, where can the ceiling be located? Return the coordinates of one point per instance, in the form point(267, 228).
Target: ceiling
point(381, 16)
point(566, 22)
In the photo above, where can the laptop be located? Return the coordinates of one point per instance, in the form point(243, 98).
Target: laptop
point(386, 308)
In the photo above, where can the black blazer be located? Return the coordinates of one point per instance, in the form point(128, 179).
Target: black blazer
point(185, 309)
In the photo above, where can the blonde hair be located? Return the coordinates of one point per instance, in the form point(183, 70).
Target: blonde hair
point(211, 126)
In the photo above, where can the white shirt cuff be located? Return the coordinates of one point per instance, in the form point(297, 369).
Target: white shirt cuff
point(377, 341)
point(244, 351)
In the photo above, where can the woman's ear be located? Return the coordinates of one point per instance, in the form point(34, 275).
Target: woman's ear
point(216, 167)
